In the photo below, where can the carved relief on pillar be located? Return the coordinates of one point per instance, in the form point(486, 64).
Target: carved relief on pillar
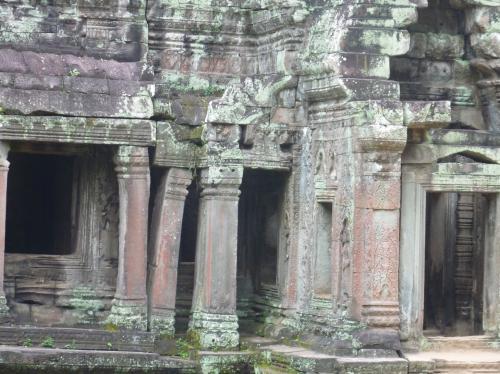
point(166, 228)
point(213, 320)
point(376, 233)
point(325, 168)
point(129, 304)
point(489, 88)
point(4, 170)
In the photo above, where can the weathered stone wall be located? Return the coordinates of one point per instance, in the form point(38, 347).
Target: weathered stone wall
point(328, 93)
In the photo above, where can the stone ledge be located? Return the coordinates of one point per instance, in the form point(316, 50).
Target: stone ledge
point(79, 338)
point(26, 360)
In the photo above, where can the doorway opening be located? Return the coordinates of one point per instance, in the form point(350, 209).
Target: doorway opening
point(187, 255)
point(454, 263)
point(41, 198)
point(260, 217)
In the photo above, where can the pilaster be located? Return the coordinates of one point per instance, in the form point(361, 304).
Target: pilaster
point(129, 304)
point(214, 323)
point(166, 228)
point(375, 217)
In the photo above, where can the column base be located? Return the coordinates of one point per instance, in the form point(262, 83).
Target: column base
point(382, 314)
point(4, 310)
point(127, 315)
point(211, 330)
point(162, 322)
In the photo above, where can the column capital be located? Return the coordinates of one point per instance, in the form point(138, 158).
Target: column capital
point(131, 162)
point(222, 182)
point(177, 181)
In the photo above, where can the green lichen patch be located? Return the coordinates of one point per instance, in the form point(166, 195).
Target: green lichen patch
point(86, 305)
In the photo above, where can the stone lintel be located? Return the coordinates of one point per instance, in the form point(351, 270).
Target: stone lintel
point(79, 130)
point(430, 153)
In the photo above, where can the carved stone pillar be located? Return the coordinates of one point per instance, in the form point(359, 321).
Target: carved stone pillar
point(4, 170)
point(377, 194)
point(129, 304)
point(164, 248)
point(214, 323)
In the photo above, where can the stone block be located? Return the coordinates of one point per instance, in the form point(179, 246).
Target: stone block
point(486, 45)
point(367, 89)
point(436, 46)
point(86, 85)
point(362, 65)
point(44, 63)
point(427, 113)
point(12, 61)
point(74, 103)
point(120, 87)
point(6, 79)
point(483, 19)
point(383, 41)
point(33, 82)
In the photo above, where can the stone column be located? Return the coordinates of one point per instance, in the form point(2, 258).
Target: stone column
point(214, 323)
point(377, 194)
point(166, 228)
point(129, 304)
point(4, 170)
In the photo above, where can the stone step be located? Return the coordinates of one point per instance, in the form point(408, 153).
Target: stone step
point(372, 365)
point(458, 361)
point(45, 360)
point(443, 343)
point(77, 338)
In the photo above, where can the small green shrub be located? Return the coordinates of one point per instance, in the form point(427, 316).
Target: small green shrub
point(48, 342)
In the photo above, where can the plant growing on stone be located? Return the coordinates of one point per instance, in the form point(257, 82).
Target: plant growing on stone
point(48, 342)
point(72, 345)
point(74, 73)
point(27, 342)
point(183, 348)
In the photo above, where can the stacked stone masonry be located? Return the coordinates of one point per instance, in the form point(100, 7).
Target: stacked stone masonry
point(323, 172)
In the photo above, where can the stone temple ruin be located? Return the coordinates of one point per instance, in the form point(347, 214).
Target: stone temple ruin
point(308, 185)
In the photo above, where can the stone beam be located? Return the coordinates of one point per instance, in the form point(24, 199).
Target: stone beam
point(78, 130)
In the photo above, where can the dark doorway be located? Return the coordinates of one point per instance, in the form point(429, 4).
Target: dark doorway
point(40, 204)
point(260, 213)
point(187, 254)
point(260, 221)
point(454, 263)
